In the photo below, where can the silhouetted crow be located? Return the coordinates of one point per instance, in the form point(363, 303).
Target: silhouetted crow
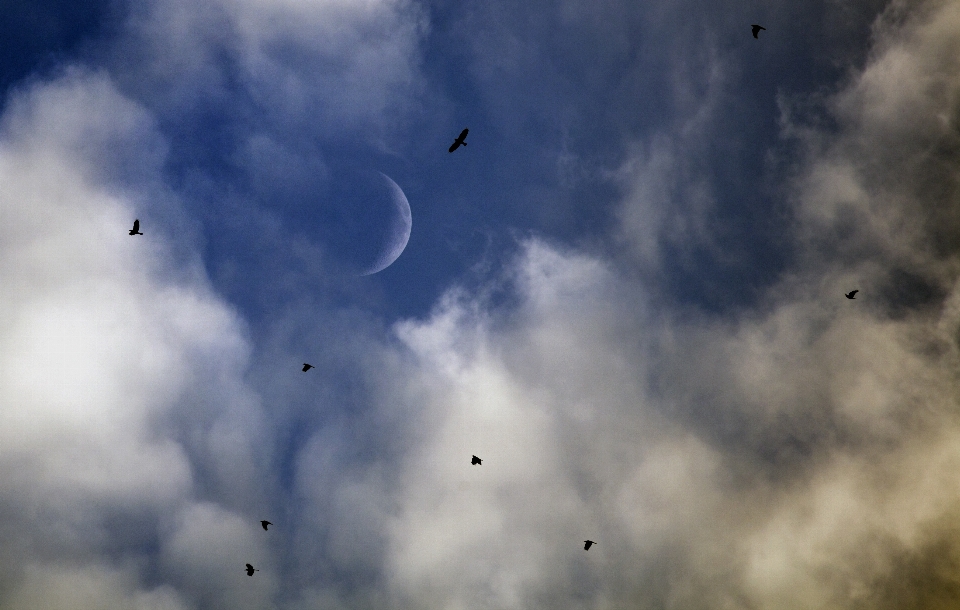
point(476, 461)
point(250, 570)
point(852, 294)
point(265, 524)
point(136, 228)
point(756, 30)
point(461, 140)
point(587, 544)
point(307, 367)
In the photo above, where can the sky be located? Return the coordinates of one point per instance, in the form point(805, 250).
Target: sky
point(625, 294)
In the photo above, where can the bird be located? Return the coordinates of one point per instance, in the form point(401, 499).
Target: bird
point(756, 30)
point(136, 228)
point(476, 461)
point(251, 570)
point(587, 544)
point(265, 523)
point(852, 294)
point(461, 139)
point(307, 367)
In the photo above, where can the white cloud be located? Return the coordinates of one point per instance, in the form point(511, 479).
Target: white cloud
point(797, 455)
point(105, 338)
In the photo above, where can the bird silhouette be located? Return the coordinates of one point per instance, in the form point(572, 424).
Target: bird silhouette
point(852, 294)
point(307, 367)
point(587, 544)
point(265, 524)
point(136, 228)
point(756, 30)
point(461, 140)
point(476, 461)
point(251, 570)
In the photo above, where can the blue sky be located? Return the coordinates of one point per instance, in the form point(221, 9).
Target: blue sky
point(625, 295)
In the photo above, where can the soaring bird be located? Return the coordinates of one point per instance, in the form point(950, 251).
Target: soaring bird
point(461, 140)
point(307, 367)
point(852, 294)
point(587, 544)
point(476, 461)
point(250, 570)
point(136, 228)
point(756, 30)
point(265, 524)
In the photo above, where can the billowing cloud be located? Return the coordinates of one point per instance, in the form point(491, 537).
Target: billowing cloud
point(800, 454)
point(796, 452)
point(123, 406)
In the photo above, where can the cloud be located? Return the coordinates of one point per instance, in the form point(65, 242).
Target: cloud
point(800, 453)
point(122, 402)
point(327, 67)
point(795, 453)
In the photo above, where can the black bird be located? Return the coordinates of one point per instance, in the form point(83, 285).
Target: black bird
point(461, 140)
point(136, 228)
point(587, 544)
point(307, 367)
point(250, 570)
point(476, 461)
point(756, 30)
point(852, 294)
point(265, 524)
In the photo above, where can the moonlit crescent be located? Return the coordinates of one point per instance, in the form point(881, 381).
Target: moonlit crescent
point(399, 233)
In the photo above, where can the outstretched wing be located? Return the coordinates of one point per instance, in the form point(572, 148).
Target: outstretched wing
point(463, 135)
point(136, 225)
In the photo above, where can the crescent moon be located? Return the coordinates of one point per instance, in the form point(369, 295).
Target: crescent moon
point(399, 233)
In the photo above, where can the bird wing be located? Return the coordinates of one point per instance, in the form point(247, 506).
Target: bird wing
point(249, 567)
point(454, 146)
point(463, 134)
point(136, 225)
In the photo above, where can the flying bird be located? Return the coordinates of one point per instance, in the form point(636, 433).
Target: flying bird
point(265, 524)
point(307, 367)
point(250, 570)
point(756, 30)
point(476, 461)
point(461, 140)
point(136, 228)
point(852, 294)
point(587, 544)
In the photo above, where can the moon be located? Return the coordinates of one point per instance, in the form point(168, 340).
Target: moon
point(399, 231)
